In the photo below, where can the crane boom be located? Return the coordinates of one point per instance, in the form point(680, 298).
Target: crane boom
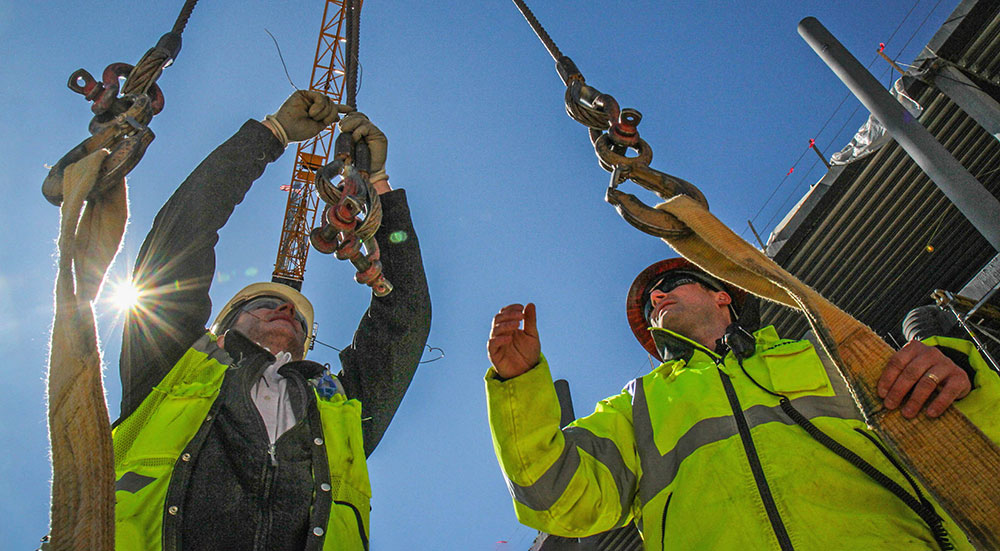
point(328, 73)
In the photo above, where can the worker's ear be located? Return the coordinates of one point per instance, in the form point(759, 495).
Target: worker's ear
point(722, 298)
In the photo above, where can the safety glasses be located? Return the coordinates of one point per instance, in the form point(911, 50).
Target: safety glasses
point(665, 285)
point(273, 303)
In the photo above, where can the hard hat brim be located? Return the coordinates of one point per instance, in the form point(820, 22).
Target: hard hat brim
point(634, 302)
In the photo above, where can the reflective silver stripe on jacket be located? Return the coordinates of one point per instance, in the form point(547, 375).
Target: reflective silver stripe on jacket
point(659, 471)
point(543, 494)
point(132, 482)
point(207, 346)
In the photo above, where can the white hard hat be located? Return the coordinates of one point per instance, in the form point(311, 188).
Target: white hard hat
point(266, 289)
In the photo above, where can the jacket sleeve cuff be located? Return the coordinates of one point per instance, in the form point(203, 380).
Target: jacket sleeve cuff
point(979, 406)
point(271, 145)
point(539, 374)
point(524, 419)
point(960, 351)
point(394, 204)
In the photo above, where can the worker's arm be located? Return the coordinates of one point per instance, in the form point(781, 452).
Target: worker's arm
point(383, 357)
point(176, 262)
point(573, 482)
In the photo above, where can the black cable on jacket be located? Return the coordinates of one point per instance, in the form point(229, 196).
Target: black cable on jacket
point(923, 508)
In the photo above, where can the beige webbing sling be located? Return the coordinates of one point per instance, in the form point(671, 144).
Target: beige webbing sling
point(88, 184)
point(83, 476)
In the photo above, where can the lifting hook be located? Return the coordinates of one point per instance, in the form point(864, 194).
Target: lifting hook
point(344, 231)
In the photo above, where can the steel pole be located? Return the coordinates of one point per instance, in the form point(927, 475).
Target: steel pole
point(972, 199)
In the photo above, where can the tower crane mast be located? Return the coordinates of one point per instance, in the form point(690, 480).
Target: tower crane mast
point(328, 77)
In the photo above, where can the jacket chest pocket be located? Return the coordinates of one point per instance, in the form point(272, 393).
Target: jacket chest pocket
point(795, 367)
point(169, 426)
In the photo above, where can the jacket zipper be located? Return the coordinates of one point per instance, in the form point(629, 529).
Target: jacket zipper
point(267, 476)
point(755, 467)
point(264, 529)
point(271, 452)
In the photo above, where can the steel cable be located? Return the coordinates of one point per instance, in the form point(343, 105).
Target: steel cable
point(149, 68)
point(547, 41)
point(182, 18)
point(351, 55)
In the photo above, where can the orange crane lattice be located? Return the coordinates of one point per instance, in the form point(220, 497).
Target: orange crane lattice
point(300, 210)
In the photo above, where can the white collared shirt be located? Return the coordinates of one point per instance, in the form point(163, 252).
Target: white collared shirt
point(270, 395)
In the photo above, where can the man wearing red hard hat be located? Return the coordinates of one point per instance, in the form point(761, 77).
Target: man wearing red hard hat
point(738, 440)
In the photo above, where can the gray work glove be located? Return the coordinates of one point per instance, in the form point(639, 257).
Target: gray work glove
point(362, 130)
point(304, 115)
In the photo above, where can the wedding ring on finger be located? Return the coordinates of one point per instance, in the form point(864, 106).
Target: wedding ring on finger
point(933, 377)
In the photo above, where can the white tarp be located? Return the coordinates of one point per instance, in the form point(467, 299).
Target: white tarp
point(872, 135)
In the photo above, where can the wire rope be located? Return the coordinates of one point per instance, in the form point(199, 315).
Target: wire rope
point(837, 109)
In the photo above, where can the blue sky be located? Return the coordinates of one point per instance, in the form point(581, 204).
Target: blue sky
point(506, 193)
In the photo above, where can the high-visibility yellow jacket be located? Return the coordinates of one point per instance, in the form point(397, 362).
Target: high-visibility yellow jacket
point(702, 458)
point(157, 446)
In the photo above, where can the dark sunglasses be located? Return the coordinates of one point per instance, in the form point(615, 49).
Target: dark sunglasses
point(664, 285)
point(273, 303)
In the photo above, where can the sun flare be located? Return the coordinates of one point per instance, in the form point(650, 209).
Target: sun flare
point(125, 296)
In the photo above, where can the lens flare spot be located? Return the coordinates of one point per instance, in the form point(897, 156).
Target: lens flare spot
point(125, 296)
point(398, 236)
point(250, 272)
point(223, 277)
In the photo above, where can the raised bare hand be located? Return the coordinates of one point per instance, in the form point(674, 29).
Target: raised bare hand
point(513, 350)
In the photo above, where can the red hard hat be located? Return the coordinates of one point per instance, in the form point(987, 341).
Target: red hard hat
point(638, 293)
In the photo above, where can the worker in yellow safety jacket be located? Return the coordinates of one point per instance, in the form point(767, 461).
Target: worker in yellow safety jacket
point(229, 438)
point(727, 444)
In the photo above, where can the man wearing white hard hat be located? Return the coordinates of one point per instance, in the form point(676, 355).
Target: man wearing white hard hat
point(228, 437)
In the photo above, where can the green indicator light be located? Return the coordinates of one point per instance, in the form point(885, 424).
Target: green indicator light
point(398, 236)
